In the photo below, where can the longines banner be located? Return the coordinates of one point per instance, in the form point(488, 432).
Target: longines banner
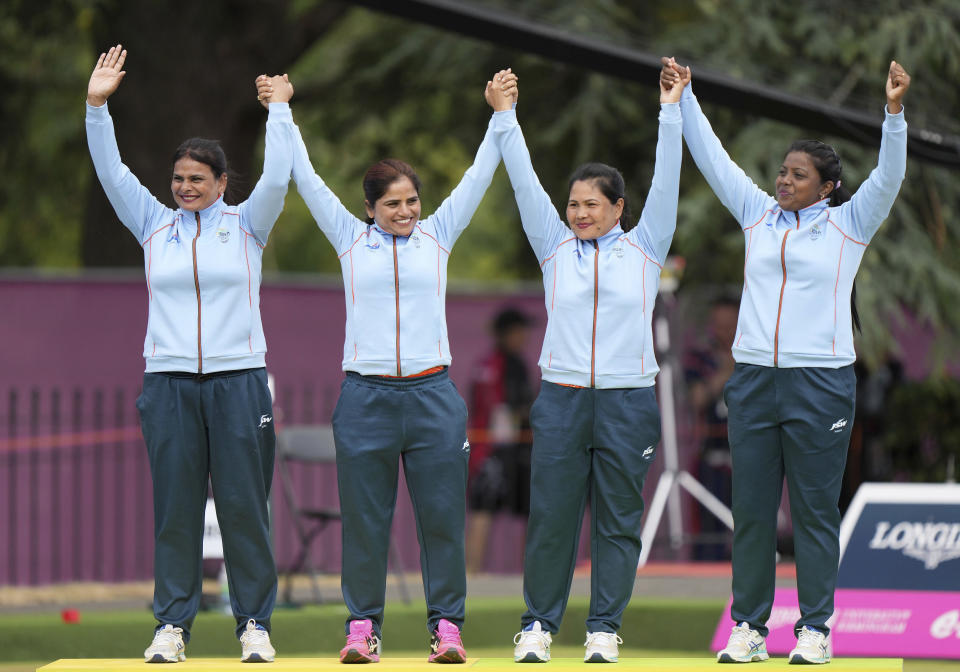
point(898, 592)
point(902, 536)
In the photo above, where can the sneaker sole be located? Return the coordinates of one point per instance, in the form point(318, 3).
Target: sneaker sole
point(798, 659)
point(448, 656)
point(755, 658)
point(599, 658)
point(256, 658)
point(158, 658)
point(354, 656)
point(531, 657)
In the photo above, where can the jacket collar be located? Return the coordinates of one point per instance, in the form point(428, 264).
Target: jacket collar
point(383, 232)
point(807, 214)
point(610, 236)
point(189, 218)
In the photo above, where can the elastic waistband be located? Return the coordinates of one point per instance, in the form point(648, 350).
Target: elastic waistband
point(201, 377)
point(405, 383)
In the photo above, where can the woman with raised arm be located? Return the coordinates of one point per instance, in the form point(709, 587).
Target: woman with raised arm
point(595, 423)
point(205, 409)
point(397, 402)
point(791, 397)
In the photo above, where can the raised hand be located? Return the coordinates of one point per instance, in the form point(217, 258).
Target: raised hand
point(276, 89)
point(898, 81)
point(502, 91)
point(673, 78)
point(672, 73)
point(106, 76)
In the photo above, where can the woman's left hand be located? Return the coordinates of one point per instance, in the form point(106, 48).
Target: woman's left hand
point(898, 81)
point(276, 89)
point(673, 78)
point(503, 91)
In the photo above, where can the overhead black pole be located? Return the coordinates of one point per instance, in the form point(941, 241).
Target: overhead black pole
point(521, 34)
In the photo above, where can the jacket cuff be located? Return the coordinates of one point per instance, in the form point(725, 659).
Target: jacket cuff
point(504, 119)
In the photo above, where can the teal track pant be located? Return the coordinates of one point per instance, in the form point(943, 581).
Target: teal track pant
point(596, 442)
point(796, 423)
point(421, 421)
point(219, 427)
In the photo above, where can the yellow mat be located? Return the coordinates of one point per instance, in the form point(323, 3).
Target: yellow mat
point(329, 664)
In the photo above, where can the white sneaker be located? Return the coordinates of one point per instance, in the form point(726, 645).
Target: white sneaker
point(602, 647)
point(532, 644)
point(813, 648)
point(167, 646)
point(745, 645)
point(255, 644)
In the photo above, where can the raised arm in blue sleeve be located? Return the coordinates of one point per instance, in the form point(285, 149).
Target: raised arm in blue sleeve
point(457, 209)
point(261, 209)
point(136, 207)
point(540, 220)
point(658, 222)
point(736, 191)
point(863, 214)
point(337, 223)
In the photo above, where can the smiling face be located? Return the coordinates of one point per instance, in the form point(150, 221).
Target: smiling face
point(798, 183)
point(590, 213)
point(398, 209)
point(193, 185)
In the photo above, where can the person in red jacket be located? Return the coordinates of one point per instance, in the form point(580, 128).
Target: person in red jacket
point(500, 443)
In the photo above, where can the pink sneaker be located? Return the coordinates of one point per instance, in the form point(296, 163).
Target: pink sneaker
point(363, 645)
point(445, 645)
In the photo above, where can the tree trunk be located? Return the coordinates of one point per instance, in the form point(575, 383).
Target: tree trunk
point(190, 73)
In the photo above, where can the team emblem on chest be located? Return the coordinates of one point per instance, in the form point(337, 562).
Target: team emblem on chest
point(223, 235)
point(816, 231)
point(415, 239)
point(618, 251)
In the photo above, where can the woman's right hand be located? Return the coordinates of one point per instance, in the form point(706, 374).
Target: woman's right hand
point(672, 73)
point(106, 76)
point(276, 89)
point(503, 91)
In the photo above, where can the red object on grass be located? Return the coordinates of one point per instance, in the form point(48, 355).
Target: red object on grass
point(70, 616)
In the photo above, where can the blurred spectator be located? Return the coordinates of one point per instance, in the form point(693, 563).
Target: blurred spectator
point(499, 428)
point(868, 458)
point(706, 372)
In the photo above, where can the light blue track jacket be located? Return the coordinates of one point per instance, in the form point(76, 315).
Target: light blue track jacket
point(203, 269)
point(395, 286)
point(799, 266)
point(599, 297)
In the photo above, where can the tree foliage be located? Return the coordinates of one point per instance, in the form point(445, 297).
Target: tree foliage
point(369, 86)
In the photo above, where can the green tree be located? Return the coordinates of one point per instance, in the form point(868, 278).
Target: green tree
point(370, 86)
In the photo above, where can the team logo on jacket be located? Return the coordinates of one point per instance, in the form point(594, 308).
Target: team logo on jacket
point(223, 235)
point(816, 231)
point(618, 251)
point(838, 426)
point(416, 240)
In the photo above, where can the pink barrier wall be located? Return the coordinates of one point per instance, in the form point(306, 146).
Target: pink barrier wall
point(897, 623)
point(71, 458)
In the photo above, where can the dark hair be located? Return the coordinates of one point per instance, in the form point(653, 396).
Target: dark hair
point(609, 181)
point(827, 163)
point(381, 175)
point(205, 151)
point(507, 319)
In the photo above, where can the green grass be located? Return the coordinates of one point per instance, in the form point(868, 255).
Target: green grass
point(318, 630)
point(665, 628)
